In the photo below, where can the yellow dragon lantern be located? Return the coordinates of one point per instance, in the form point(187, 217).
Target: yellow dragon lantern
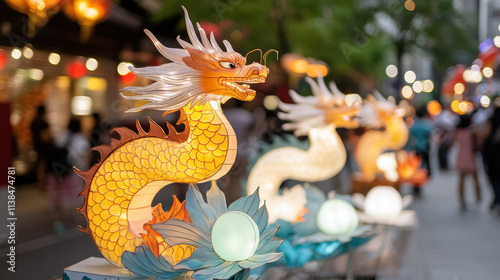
point(317, 116)
point(379, 113)
point(120, 188)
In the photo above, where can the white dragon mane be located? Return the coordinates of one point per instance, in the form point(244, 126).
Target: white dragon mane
point(376, 106)
point(177, 84)
point(311, 111)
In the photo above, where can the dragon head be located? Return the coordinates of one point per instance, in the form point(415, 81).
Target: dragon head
point(325, 107)
point(378, 111)
point(200, 71)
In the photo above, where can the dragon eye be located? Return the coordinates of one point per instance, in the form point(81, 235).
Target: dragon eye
point(228, 65)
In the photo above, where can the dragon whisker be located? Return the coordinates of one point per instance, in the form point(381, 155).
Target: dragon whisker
point(252, 52)
point(268, 52)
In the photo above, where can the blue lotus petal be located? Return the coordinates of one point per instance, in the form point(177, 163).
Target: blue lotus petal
point(200, 213)
point(206, 257)
point(243, 275)
point(261, 217)
point(247, 204)
point(190, 264)
point(269, 247)
point(143, 262)
point(267, 236)
point(286, 229)
point(259, 260)
point(177, 232)
point(216, 199)
point(222, 271)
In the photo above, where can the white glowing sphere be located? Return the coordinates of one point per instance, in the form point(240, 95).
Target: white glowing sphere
point(383, 202)
point(235, 236)
point(337, 217)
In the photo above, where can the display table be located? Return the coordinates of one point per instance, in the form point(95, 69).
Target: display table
point(95, 269)
point(379, 257)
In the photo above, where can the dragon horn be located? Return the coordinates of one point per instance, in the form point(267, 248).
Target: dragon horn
point(191, 33)
point(321, 83)
point(214, 42)
point(335, 90)
point(204, 39)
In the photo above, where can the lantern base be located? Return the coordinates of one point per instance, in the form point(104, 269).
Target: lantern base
point(360, 185)
point(96, 269)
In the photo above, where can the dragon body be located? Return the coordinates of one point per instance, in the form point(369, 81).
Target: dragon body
point(120, 188)
point(377, 113)
point(317, 116)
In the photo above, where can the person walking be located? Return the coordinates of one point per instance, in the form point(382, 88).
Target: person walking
point(491, 153)
point(69, 149)
point(466, 139)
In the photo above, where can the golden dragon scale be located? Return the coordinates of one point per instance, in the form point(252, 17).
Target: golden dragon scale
point(120, 188)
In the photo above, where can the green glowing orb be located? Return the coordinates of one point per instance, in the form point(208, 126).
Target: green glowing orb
point(235, 236)
point(336, 217)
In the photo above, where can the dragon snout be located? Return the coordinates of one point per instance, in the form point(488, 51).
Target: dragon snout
point(258, 70)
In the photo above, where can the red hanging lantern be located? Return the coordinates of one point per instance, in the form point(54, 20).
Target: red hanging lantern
point(38, 11)
point(88, 13)
point(128, 78)
point(76, 69)
point(2, 60)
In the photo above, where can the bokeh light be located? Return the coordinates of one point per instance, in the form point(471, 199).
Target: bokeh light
point(123, 68)
point(496, 41)
point(35, 74)
point(54, 58)
point(28, 52)
point(2, 60)
point(391, 71)
point(428, 86)
point(454, 105)
point(16, 53)
point(81, 105)
point(485, 101)
point(314, 69)
point(434, 108)
point(91, 64)
point(487, 72)
point(410, 5)
point(410, 77)
point(271, 102)
point(407, 92)
point(459, 88)
point(418, 86)
point(299, 66)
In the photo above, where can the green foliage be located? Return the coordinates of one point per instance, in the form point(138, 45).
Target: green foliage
point(348, 35)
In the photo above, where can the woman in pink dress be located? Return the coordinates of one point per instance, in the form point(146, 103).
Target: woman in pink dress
point(466, 158)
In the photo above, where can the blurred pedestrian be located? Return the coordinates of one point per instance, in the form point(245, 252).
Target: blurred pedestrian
point(96, 137)
point(70, 149)
point(421, 132)
point(466, 139)
point(444, 126)
point(419, 141)
point(41, 143)
point(491, 153)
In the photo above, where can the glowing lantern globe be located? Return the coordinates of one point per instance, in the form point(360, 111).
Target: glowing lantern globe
point(337, 217)
point(38, 11)
point(383, 202)
point(87, 13)
point(235, 236)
